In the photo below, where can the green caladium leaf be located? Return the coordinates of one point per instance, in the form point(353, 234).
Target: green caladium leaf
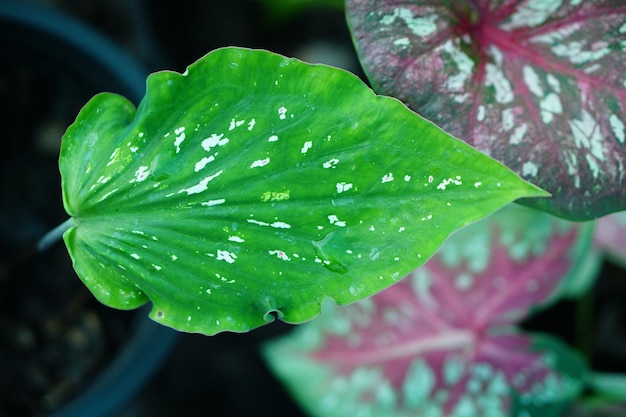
point(254, 183)
point(539, 85)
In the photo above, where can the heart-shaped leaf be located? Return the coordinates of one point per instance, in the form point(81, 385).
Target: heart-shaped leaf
point(254, 183)
point(538, 85)
point(442, 342)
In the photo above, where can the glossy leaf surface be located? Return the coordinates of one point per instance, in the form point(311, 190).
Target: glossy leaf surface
point(539, 85)
point(443, 341)
point(255, 183)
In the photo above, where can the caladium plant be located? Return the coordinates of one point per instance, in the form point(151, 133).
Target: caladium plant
point(539, 85)
point(253, 183)
point(443, 342)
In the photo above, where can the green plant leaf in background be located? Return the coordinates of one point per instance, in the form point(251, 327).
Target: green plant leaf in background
point(253, 183)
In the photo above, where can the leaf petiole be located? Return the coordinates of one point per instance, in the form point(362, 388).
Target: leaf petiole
point(54, 235)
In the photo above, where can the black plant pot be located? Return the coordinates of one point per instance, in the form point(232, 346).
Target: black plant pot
point(50, 65)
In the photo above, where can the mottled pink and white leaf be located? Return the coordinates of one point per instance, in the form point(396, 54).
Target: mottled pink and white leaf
point(443, 341)
point(538, 85)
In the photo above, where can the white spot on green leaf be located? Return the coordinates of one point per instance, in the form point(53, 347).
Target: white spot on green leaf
point(307, 145)
point(280, 254)
point(260, 163)
point(213, 141)
point(213, 202)
point(449, 181)
point(180, 137)
point(235, 123)
point(280, 225)
point(343, 186)
point(203, 163)
point(224, 255)
point(141, 174)
point(114, 157)
point(333, 219)
point(276, 224)
point(202, 185)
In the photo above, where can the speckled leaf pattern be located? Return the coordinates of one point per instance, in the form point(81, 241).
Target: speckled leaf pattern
point(254, 183)
point(539, 85)
point(443, 341)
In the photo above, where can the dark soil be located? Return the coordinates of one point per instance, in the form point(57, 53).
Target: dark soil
point(53, 334)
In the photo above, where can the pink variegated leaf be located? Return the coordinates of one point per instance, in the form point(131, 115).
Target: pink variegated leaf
point(610, 236)
point(443, 341)
point(539, 85)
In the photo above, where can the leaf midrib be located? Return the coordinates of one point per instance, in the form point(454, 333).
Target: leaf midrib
point(451, 339)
